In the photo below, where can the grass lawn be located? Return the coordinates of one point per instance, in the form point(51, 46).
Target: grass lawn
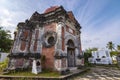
point(29, 73)
point(44, 73)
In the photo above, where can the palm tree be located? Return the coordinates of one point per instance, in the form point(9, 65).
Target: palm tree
point(110, 45)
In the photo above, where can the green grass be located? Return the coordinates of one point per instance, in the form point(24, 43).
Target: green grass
point(29, 73)
point(44, 73)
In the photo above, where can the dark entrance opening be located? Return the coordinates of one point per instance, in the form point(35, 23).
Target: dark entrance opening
point(71, 53)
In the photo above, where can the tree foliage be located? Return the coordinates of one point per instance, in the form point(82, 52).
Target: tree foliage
point(110, 45)
point(3, 64)
point(91, 49)
point(118, 47)
point(5, 40)
point(113, 53)
point(88, 54)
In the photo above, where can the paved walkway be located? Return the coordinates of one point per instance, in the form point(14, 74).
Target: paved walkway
point(100, 73)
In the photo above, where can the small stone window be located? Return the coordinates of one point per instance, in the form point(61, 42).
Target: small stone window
point(38, 63)
point(103, 56)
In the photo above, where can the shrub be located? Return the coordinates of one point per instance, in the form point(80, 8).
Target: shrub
point(3, 64)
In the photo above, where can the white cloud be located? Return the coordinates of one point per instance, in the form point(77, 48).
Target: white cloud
point(95, 33)
point(5, 17)
point(97, 30)
point(11, 15)
point(10, 19)
point(100, 37)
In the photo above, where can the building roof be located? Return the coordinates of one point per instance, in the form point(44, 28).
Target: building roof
point(71, 16)
point(44, 18)
point(52, 8)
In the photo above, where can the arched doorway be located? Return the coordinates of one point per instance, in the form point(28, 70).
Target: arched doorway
point(71, 53)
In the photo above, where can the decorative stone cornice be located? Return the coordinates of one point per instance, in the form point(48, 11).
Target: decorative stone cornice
point(59, 54)
point(25, 55)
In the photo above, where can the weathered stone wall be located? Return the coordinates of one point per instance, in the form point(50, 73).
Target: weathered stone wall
point(49, 52)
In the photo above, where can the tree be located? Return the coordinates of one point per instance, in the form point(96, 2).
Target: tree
point(88, 54)
point(118, 47)
point(113, 53)
point(5, 40)
point(91, 49)
point(110, 45)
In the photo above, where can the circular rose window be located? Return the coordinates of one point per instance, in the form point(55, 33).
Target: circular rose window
point(49, 39)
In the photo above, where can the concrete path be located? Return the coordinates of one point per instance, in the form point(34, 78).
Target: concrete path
point(100, 73)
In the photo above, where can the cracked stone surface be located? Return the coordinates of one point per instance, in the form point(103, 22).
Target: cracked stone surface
point(100, 73)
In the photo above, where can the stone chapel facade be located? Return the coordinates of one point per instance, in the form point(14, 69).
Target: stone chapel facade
point(52, 38)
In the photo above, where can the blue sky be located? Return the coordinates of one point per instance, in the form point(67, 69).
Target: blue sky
point(100, 19)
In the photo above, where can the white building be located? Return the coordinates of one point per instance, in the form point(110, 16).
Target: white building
point(101, 57)
point(3, 56)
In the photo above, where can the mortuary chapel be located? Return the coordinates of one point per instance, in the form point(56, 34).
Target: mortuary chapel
point(51, 40)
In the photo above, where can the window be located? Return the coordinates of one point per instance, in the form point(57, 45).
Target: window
point(38, 63)
point(51, 40)
point(103, 56)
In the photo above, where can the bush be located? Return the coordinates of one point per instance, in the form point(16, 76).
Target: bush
point(86, 56)
point(3, 64)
